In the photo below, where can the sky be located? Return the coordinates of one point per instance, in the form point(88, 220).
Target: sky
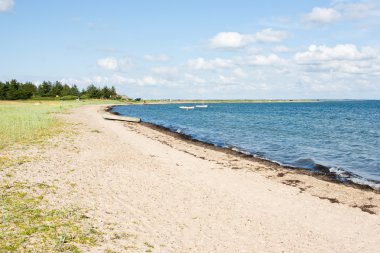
point(204, 49)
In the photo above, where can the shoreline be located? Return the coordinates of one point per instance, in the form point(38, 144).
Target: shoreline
point(323, 186)
point(320, 172)
point(149, 190)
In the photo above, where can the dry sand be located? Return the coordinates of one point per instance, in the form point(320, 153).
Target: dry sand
point(151, 192)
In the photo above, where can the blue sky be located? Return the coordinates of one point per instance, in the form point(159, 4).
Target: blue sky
point(197, 49)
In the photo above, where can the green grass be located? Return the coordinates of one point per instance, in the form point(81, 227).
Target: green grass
point(22, 122)
point(31, 121)
point(26, 225)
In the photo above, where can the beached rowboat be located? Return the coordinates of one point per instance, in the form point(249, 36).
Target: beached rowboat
point(109, 116)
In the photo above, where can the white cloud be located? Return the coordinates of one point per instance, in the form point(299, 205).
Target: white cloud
point(345, 58)
point(164, 70)
point(343, 70)
point(194, 79)
point(156, 58)
point(6, 5)
point(359, 10)
point(356, 10)
point(263, 60)
point(323, 15)
point(217, 63)
point(230, 40)
point(108, 63)
point(239, 73)
point(270, 35)
point(154, 81)
point(114, 64)
point(226, 79)
point(234, 40)
point(280, 49)
point(339, 52)
point(148, 80)
point(344, 10)
point(121, 80)
point(254, 50)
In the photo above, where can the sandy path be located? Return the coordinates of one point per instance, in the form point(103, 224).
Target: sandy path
point(146, 195)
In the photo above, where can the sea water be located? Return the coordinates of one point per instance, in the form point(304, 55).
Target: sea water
point(341, 135)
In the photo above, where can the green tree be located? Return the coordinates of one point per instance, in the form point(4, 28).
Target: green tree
point(13, 87)
point(29, 88)
point(113, 92)
point(74, 90)
point(15, 90)
point(3, 91)
point(92, 91)
point(105, 92)
point(44, 89)
point(66, 90)
point(56, 89)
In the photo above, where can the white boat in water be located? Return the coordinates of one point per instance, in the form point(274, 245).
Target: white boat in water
point(201, 106)
point(186, 107)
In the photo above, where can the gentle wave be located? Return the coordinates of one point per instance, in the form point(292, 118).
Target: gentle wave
point(341, 138)
point(338, 174)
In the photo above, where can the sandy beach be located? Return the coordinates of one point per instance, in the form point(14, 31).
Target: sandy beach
point(149, 191)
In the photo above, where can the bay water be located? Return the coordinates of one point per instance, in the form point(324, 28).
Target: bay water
point(341, 135)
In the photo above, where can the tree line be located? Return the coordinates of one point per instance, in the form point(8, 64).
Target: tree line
point(13, 90)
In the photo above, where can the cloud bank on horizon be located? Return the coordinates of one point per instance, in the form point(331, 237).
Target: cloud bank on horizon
point(185, 50)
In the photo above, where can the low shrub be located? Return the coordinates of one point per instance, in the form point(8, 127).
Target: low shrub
point(69, 97)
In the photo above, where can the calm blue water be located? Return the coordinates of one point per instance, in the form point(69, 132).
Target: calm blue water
point(343, 135)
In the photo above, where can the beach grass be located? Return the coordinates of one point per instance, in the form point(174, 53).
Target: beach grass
point(27, 222)
point(26, 122)
point(27, 225)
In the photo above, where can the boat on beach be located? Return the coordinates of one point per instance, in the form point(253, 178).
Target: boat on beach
point(186, 107)
point(110, 116)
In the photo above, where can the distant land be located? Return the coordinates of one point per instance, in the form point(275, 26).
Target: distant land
point(165, 101)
